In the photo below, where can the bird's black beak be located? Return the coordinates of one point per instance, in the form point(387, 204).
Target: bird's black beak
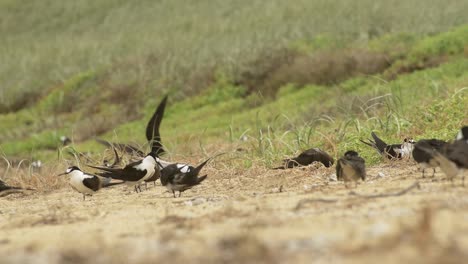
point(61, 174)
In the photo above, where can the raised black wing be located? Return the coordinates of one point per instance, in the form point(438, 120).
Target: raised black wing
point(152, 129)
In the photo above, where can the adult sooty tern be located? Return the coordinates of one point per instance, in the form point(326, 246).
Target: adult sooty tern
point(393, 151)
point(134, 173)
point(84, 183)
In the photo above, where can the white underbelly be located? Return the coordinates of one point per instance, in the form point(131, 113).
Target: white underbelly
point(78, 185)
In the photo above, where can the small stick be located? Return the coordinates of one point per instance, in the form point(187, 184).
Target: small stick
point(303, 202)
point(404, 191)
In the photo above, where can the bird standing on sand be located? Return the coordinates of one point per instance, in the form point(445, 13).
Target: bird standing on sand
point(307, 157)
point(84, 183)
point(393, 151)
point(181, 177)
point(134, 173)
point(424, 158)
point(351, 167)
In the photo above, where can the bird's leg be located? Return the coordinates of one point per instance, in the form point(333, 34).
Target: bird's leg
point(180, 193)
point(173, 193)
point(136, 189)
point(423, 172)
point(154, 184)
point(433, 172)
point(84, 196)
point(139, 188)
point(146, 186)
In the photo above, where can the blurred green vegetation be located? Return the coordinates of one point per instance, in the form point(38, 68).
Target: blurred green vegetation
point(270, 77)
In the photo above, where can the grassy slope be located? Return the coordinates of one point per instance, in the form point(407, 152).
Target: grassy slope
point(332, 117)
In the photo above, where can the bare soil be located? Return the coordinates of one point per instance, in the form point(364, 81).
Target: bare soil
point(251, 216)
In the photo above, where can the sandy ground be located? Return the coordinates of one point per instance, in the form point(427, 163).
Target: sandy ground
point(251, 216)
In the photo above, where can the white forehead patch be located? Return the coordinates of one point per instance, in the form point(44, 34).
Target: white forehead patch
point(69, 170)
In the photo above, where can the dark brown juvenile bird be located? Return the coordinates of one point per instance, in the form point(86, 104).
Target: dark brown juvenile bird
point(351, 167)
point(307, 157)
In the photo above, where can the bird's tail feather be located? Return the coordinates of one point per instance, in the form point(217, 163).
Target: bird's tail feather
point(202, 178)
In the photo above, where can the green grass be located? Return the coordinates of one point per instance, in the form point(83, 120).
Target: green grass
point(162, 45)
point(105, 74)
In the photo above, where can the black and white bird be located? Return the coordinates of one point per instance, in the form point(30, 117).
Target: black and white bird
point(133, 173)
point(181, 177)
point(84, 183)
point(392, 151)
point(154, 140)
point(351, 167)
point(307, 157)
point(426, 158)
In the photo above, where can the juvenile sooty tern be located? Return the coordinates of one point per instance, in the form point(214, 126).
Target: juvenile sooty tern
point(84, 183)
point(307, 157)
point(181, 177)
point(351, 167)
point(393, 151)
point(425, 158)
point(453, 157)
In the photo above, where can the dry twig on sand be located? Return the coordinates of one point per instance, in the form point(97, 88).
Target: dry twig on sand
point(399, 193)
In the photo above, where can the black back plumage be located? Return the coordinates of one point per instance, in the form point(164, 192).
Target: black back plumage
point(185, 176)
point(307, 157)
point(127, 173)
point(93, 183)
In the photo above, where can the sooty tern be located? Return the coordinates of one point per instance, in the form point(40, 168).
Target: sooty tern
point(84, 183)
point(180, 177)
point(393, 151)
point(307, 157)
point(351, 167)
point(425, 158)
point(134, 173)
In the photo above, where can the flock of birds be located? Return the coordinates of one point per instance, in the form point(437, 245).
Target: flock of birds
point(451, 157)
